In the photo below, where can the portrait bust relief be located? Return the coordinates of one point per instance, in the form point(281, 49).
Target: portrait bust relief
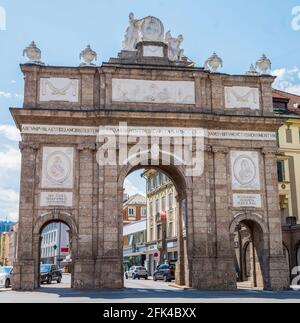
point(57, 167)
point(245, 170)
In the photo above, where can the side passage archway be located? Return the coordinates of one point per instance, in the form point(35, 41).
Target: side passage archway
point(55, 247)
point(249, 236)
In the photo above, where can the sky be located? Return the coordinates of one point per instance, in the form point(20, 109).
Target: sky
point(240, 31)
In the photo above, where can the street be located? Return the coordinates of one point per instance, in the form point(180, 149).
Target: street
point(143, 292)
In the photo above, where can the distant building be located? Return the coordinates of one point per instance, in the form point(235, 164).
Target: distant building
point(5, 226)
point(12, 244)
point(134, 250)
point(161, 195)
point(55, 246)
point(134, 209)
point(3, 249)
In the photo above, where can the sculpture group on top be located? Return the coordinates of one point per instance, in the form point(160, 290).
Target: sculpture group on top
point(151, 29)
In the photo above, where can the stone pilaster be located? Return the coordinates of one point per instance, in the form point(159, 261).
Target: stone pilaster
point(224, 272)
point(278, 267)
point(85, 263)
point(109, 266)
point(24, 267)
point(31, 75)
point(87, 87)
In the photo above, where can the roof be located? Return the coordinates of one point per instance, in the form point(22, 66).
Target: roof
point(137, 199)
point(294, 100)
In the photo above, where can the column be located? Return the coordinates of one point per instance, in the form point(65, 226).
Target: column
point(224, 273)
point(85, 261)
point(278, 268)
point(24, 267)
point(109, 267)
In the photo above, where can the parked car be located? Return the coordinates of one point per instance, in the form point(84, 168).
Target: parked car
point(50, 273)
point(164, 272)
point(137, 272)
point(5, 276)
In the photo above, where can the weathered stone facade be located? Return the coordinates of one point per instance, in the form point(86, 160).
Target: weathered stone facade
point(93, 207)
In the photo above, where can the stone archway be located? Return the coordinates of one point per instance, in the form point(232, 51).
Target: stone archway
point(183, 187)
point(39, 225)
point(255, 241)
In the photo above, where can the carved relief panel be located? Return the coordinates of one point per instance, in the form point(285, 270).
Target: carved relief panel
point(144, 91)
point(57, 169)
point(245, 170)
point(59, 89)
point(240, 97)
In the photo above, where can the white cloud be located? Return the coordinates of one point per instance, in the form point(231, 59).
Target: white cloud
point(8, 196)
point(9, 204)
point(10, 165)
point(131, 189)
point(10, 160)
point(10, 132)
point(6, 95)
point(288, 80)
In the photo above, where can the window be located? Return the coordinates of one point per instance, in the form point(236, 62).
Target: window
point(289, 136)
point(157, 206)
point(159, 232)
point(163, 204)
point(144, 212)
point(158, 179)
point(161, 179)
point(154, 182)
point(281, 170)
point(171, 201)
point(151, 208)
point(149, 185)
point(170, 230)
point(151, 234)
point(131, 211)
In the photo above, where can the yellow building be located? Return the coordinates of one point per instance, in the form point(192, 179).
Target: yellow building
point(289, 156)
point(161, 197)
point(3, 249)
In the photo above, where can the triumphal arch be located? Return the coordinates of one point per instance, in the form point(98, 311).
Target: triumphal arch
point(85, 128)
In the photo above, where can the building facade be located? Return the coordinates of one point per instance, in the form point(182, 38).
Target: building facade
point(288, 164)
point(55, 245)
point(161, 197)
point(150, 85)
point(134, 237)
point(134, 209)
point(4, 249)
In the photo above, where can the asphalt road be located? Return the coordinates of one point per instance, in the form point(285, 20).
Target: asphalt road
point(143, 292)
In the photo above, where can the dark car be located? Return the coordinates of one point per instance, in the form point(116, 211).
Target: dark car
point(164, 272)
point(50, 273)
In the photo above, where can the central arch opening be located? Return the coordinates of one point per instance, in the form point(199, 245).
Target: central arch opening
point(154, 228)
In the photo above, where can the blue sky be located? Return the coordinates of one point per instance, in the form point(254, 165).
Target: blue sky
point(238, 30)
